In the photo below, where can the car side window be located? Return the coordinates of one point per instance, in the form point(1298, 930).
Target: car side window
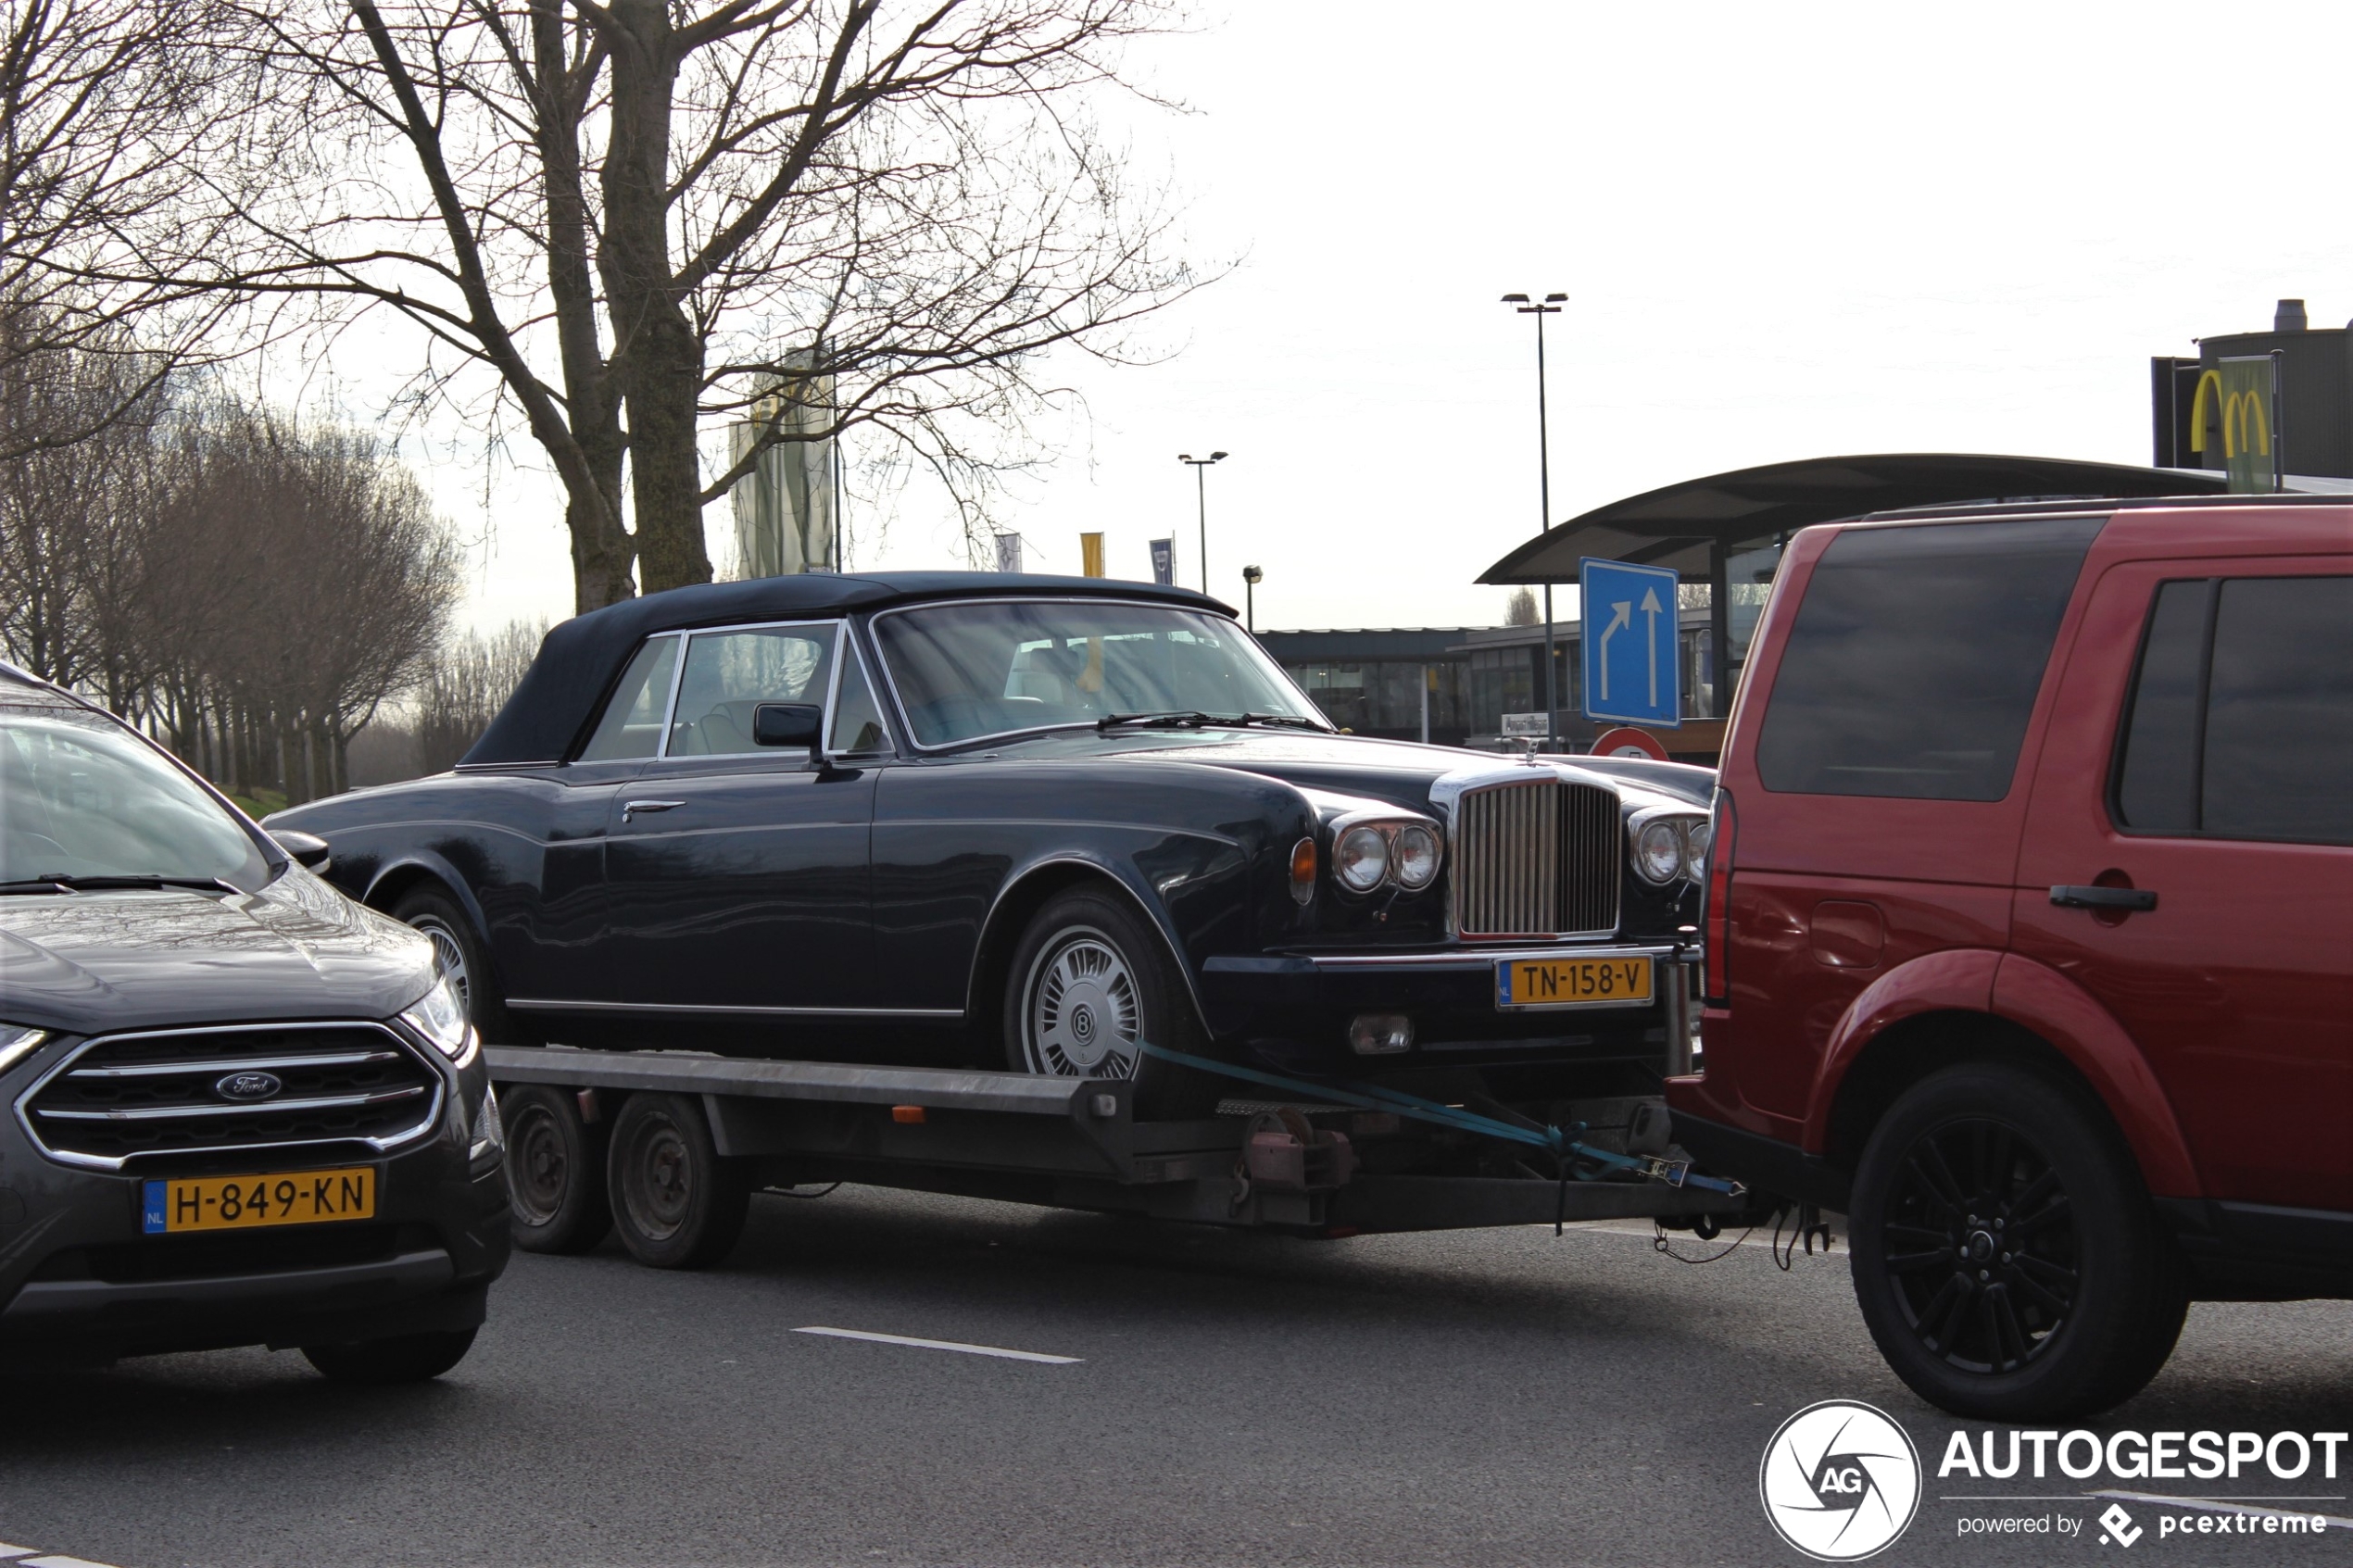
point(730, 673)
point(2241, 724)
point(856, 722)
point(632, 723)
point(1916, 657)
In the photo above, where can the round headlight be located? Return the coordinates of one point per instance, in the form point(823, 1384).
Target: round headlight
point(1361, 859)
point(1695, 846)
point(1417, 854)
point(1658, 852)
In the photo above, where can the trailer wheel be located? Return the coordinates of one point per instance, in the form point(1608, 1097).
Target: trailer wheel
point(555, 1172)
point(2006, 1258)
point(675, 1202)
point(1089, 982)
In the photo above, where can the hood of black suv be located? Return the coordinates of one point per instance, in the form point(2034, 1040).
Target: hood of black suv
point(95, 963)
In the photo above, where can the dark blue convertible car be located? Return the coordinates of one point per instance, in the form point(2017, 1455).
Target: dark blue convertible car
point(1027, 822)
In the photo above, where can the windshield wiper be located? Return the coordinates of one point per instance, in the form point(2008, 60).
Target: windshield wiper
point(1195, 718)
point(1191, 716)
point(66, 884)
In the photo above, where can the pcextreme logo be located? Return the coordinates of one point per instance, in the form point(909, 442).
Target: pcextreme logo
point(1840, 1481)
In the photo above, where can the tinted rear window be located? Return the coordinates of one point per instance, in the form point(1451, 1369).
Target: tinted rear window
point(2242, 719)
point(1912, 668)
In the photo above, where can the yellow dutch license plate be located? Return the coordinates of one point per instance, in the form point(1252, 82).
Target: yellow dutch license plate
point(242, 1203)
point(1573, 982)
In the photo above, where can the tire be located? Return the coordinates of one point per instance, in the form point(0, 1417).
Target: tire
point(555, 1172)
point(2072, 1322)
point(1088, 979)
point(675, 1203)
point(457, 952)
point(408, 1358)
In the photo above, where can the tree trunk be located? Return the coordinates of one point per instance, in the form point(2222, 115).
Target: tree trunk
point(656, 343)
point(602, 552)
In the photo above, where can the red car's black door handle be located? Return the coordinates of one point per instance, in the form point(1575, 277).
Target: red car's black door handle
point(2068, 897)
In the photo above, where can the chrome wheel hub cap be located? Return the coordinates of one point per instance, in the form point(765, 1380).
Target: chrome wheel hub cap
point(1084, 1017)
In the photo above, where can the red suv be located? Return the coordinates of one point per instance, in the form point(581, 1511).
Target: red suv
point(2030, 928)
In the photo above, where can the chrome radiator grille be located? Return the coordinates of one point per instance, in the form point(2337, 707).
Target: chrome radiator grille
point(1539, 858)
point(125, 1096)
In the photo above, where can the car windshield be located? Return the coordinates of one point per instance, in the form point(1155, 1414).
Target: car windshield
point(966, 671)
point(80, 796)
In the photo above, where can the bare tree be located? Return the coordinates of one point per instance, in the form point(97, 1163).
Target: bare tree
point(1520, 608)
point(465, 685)
point(641, 214)
point(101, 104)
point(251, 589)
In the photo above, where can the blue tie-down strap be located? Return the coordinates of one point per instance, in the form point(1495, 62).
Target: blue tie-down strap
point(1557, 1141)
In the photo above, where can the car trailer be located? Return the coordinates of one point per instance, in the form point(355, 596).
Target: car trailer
point(667, 1148)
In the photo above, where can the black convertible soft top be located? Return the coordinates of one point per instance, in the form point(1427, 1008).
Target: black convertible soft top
point(583, 657)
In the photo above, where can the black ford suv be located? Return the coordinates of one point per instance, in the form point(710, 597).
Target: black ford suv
point(235, 1108)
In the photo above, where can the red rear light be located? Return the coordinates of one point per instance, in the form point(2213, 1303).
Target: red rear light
point(1716, 917)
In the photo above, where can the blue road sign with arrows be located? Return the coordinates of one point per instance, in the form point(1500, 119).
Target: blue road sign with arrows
point(1632, 672)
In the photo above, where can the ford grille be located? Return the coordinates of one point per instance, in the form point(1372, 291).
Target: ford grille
point(121, 1098)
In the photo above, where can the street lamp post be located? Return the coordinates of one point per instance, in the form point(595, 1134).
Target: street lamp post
point(1252, 578)
point(1201, 498)
point(1549, 306)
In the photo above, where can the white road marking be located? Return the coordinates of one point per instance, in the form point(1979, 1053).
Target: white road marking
point(57, 1562)
point(8, 1553)
point(2209, 1505)
point(944, 1344)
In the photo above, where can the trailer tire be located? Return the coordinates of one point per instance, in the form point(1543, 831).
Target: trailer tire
point(555, 1172)
point(675, 1202)
point(1090, 978)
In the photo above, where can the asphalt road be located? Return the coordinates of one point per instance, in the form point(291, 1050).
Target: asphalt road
point(1491, 1397)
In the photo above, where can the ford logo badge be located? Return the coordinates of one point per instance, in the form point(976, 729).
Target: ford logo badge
point(249, 1085)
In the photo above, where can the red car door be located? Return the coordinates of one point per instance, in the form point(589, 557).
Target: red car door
point(2194, 809)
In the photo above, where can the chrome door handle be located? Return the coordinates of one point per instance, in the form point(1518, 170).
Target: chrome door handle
point(631, 808)
point(2068, 897)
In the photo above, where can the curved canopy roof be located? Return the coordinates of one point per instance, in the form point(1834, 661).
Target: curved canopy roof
point(1675, 526)
point(584, 656)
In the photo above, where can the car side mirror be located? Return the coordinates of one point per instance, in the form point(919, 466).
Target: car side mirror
point(307, 850)
point(787, 723)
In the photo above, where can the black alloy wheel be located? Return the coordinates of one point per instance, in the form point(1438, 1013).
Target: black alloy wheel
point(555, 1171)
point(2005, 1255)
point(675, 1202)
point(1986, 1272)
point(1089, 981)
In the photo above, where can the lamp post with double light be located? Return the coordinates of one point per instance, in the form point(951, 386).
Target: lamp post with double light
point(1549, 306)
point(1201, 498)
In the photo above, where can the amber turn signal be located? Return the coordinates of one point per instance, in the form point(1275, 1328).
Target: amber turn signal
point(1303, 869)
point(907, 1115)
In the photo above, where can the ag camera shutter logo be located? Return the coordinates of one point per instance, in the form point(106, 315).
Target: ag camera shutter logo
point(1840, 1481)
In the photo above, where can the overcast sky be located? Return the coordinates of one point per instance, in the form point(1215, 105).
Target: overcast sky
point(1785, 231)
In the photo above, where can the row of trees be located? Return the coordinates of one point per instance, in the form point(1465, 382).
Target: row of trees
point(616, 224)
point(251, 589)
